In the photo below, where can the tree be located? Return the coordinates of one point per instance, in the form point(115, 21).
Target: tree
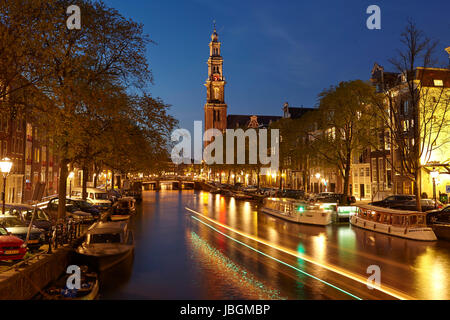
point(21, 63)
point(137, 140)
point(343, 119)
point(414, 110)
point(108, 48)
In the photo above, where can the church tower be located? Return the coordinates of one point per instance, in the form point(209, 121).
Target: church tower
point(215, 107)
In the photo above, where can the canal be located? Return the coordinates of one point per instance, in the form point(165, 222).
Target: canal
point(195, 245)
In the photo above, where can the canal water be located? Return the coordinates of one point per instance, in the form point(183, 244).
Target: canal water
point(208, 252)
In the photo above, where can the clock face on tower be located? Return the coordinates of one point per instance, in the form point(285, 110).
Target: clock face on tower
point(216, 78)
point(216, 93)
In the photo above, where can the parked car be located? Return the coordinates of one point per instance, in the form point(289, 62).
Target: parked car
point(438, 214)
point(85, 206)
point(293, 194)
point(331, 197)
point(114, 195)
point(20, 229)
point(99, 197)
point(11, 247)
point(72, 210)
point(426, 205)
point(394, 200)
point(25, 212)
point(325, 194)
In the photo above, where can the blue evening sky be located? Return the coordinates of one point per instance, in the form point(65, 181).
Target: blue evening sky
point(274, 51)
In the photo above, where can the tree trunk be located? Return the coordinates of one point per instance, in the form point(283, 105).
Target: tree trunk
point(112, 180)
point(258, 178)
point(62, 188)
point(84, 183)
point(417, 189)
point(95, 180)
point(346, 178)
point(281, 179)
point(305, 181)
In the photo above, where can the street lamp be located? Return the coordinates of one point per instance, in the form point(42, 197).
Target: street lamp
point(5, 168)
point(434, 174)
point(71, 175)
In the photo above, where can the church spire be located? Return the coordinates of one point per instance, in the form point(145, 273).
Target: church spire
point(215, 107)
point(214, 35)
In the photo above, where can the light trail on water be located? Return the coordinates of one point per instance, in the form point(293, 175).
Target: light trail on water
point(389, 291)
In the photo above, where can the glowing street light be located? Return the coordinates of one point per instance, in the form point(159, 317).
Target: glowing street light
point(5, 168)
point(318, 175)
point(434, 174)
point(71, 175)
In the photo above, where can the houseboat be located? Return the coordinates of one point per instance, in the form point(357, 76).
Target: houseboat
point(107, 244)
point(400, 223)
point(297, 211)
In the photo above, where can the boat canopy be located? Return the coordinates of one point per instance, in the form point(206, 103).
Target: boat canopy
point(387, 210)
point(394, 217)
point(108, 227)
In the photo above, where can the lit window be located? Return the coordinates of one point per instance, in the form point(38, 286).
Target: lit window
point(438, 83)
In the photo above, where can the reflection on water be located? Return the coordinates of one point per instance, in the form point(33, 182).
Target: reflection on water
point(118, 276)
point(178, 258)
point(433, 276)
point(219, 266)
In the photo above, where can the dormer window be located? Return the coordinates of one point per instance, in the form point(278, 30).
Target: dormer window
point(438, 83)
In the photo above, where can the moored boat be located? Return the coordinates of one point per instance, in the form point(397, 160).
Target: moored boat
point(297, 211)
point(107, 244)
point(123, 209)
point(400, 223)
point(241, 196)
point(441, 230)
point(215, 191)
point(89, 287)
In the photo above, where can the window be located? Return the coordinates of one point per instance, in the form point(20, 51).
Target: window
point(387, 141)
point(381, 169)
point(104, 238)
point(405, 107)
point(374, 170)
point(438, 83)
